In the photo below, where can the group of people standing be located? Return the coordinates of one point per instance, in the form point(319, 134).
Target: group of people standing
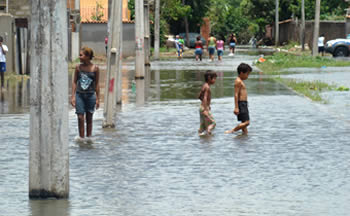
point(213, 44)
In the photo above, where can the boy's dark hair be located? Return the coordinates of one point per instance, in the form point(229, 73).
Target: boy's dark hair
point(210, 74)
point(244, 68)
point(198, 37)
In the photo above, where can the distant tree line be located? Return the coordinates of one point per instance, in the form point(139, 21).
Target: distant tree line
point(246, 18)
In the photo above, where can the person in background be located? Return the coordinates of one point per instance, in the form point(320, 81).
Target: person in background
point(106, 44)
point(178, 47)
point(220, 47)
point(321, 44)
point(199, 48)
point(232, 43)
point(211, 46)
point(3, 50)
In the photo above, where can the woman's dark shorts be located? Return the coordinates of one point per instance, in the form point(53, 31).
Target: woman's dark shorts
point(85, 102)
point(243, 115)
point(211, 50)
point(198, 51)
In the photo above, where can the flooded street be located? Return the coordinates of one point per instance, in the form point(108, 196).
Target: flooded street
point(295, 160)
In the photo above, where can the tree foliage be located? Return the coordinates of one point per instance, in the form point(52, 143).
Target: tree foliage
point(98, 14)
point(246, 18)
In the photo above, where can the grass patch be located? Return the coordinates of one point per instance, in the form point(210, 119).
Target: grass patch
point(278, 61)
point(311, 89)
point(16, 77)
point(164, 49)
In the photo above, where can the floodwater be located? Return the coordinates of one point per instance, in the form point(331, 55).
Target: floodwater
point(295, 160)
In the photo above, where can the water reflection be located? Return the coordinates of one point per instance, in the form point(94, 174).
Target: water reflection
point(15, 99)
point(158, 85)
point(50, 207)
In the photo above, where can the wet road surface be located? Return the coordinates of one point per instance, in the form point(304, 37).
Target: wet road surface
point(295, 160)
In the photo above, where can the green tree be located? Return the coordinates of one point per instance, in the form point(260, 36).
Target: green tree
point(98, 14)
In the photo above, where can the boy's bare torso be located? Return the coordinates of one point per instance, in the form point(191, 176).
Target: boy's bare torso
point(242, 90)
point(205, 95)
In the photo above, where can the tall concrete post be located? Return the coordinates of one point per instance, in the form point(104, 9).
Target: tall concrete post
point(316, 28)
point(75, 43)
point(302, 25)
point(139, 37)
point(156, 30)
point(77, 8)
point(147, 34)
point(277, 27)
point(113, 79)
point(48, 151)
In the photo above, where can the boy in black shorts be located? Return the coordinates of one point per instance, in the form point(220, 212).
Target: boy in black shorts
point(241, 99)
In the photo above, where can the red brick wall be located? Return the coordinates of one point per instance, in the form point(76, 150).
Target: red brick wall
point(205, 28)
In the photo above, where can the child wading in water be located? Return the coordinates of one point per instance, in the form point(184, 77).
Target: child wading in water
point(85, 92)
point(207, 122)
point(241, 99)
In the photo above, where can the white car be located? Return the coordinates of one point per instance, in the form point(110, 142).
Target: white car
point(338, 47)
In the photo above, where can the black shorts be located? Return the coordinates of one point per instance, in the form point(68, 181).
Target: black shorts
point(320, 49)
point(243, 115)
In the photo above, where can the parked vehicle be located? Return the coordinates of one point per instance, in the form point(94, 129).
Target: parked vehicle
point(192, 38)
point(338, 47)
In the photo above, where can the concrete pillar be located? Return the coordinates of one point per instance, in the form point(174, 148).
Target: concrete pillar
point(140, 92)
point(139, 37)
point(48, 151)
point(316, 28)
point(147, 34)
point(277, 25)
point(302, 32)
point(156, 29)
point(113, 80)
point(75, 45)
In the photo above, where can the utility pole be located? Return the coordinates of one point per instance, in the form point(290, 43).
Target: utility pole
point(113, 65)
point(147, 34)
point(7, 6)
point(75, 36)
point(49, 149)
point(316, 28)
point(186, 27)
point(302, 25)
point(77, 8)
point(139, 37)
point(277, 30)
point(156, 30)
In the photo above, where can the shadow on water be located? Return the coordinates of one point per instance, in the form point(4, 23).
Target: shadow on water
point(50, 207)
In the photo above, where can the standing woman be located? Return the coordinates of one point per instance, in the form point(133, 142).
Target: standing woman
point(211, 46)
point(199, 48)
point(232, 43)
point(85, 92)
point(220, 47)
